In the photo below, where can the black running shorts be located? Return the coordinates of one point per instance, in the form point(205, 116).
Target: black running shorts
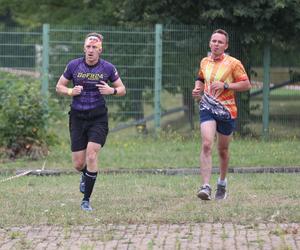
point(88, 126)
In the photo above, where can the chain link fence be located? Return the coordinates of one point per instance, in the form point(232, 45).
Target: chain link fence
point(158, 68)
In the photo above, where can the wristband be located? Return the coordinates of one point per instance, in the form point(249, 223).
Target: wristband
point(70, 91)
point(199, 79)
point(115, 91)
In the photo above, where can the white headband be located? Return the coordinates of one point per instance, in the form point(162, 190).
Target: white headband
point(94, 38)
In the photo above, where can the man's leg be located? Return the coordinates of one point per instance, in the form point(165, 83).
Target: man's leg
point(79, 158)
point(223, 150)
point(92, 156)
point(91, 173)
point(208, 131)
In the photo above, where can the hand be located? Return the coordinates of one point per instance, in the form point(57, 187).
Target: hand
point(197, 92)
point(104, 88)
point(77, 90)
point(217, 86)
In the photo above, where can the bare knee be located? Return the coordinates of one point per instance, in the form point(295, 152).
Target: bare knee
point(223, 153)
point(206, 147)
point(78, 164)
point(91, 157)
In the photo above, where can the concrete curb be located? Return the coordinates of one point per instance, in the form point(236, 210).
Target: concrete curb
point(170, 171)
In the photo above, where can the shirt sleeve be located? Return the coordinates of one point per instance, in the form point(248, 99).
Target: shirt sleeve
point(239, 72)
point(114, 75)
point(68, 72)
point(200, 72)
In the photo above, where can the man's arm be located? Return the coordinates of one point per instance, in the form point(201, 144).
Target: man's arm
point(118, 88)
point(61, 87)
point(239, 86)
point(241, 81)
point(198, 89)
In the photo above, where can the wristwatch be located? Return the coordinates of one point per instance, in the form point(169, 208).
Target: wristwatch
point(226, 85)
point(115, 91)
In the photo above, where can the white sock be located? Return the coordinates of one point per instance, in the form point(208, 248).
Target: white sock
point(222, 182)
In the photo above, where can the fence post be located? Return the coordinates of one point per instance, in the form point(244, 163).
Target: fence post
point(266, 89)
point(158, 76)
point(45, 65)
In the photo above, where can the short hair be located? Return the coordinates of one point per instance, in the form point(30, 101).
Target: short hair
point(98, 35)
point(223, 32)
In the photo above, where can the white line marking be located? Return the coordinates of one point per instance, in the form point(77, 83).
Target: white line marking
point(16, 176)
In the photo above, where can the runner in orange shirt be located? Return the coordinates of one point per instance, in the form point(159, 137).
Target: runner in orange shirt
point(219, 77)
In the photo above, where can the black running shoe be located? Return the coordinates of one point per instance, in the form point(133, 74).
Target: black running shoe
point(204, 192)
point(82, 183)
point(221, 192)
point(85, 206)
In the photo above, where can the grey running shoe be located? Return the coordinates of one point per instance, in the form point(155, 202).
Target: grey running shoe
point(85, 206)
point(204, 192)
point(221, 192)
point(82, 183)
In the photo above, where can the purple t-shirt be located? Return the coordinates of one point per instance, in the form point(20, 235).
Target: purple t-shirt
point(88, 76)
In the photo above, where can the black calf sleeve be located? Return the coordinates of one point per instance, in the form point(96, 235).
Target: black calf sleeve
point(90, 179)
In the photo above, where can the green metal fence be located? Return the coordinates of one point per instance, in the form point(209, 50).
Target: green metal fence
point(158, 65)
point(275, 94)
point(131, 50)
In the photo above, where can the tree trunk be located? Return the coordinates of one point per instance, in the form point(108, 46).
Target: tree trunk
point(189, 103)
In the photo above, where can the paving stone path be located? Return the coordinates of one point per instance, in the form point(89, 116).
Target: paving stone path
point(154, 236)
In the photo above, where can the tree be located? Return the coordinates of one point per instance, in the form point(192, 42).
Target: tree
point(277, 18)
point(249, 21)
point(66, 12)
point(253, 22)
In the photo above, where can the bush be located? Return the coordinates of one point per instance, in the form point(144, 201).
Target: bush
point(23, 118)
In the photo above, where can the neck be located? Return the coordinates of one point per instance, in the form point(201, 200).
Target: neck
point(217, 57)
point(91, 63)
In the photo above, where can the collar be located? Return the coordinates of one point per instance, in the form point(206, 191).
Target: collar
point(219, 58)
point(94, 65)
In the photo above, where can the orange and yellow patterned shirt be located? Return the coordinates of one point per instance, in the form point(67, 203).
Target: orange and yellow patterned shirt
point(225, 69)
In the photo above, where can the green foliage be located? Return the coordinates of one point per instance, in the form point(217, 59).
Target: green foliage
point(28, 13)
point(277, 18)
point(23, 117)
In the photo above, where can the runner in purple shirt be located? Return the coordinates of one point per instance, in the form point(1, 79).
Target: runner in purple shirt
point(88, 120)
point(88, 77)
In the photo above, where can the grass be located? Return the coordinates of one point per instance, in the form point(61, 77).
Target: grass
point(177, 146)
point(281, 106)
point(128, 198)
point(284, 114)
point(170, 150)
